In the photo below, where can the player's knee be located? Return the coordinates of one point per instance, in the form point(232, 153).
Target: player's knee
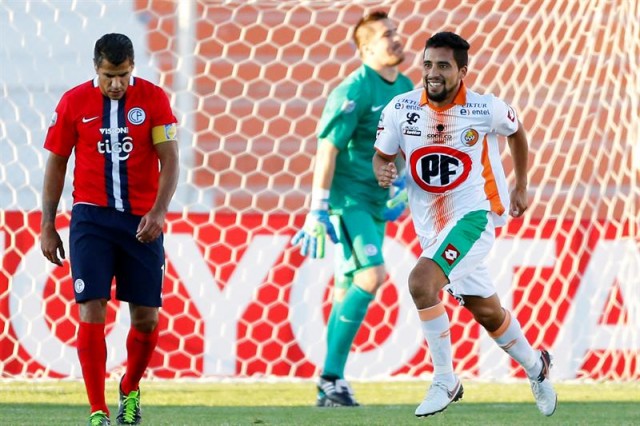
point(93, 311)
point(424, 285)
point(487, 311)
point(144, 319)
point(490, 319)
point(371, 279)
point(145, 325)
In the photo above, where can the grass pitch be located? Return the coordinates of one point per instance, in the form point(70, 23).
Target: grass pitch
point(259, 403)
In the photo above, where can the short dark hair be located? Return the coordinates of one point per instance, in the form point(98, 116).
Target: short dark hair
point(453, 41)
point(361, 29)
point(115, 48)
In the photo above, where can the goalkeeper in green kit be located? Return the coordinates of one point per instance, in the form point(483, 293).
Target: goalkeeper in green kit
point(347, 204)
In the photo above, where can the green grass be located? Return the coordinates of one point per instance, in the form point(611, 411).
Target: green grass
point(259, 403)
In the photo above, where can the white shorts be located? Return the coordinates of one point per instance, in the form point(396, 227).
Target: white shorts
point(460, 250)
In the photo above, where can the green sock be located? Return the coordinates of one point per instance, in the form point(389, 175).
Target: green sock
point(333, 318)
point(344, 324)
point(336, 307)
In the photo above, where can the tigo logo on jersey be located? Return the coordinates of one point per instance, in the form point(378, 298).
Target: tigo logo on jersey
point(450, 254)
point(121, 149)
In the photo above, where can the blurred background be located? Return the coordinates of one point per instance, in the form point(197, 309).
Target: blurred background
point(248, 81)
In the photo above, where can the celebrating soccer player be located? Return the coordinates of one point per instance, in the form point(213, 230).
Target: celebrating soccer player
point(346, 201)
point(123, 133)
point(458, 195)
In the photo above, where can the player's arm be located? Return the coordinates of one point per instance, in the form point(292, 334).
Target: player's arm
point(324, 169)
point(385, 169)
point(50, 241)
point(519, 148)
point(317, 225)
point(151, 223)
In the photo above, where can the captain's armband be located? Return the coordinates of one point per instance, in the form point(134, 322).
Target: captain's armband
point(164, 133)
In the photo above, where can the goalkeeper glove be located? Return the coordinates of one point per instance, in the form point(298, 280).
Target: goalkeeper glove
point(398, 202)
point(312, 235)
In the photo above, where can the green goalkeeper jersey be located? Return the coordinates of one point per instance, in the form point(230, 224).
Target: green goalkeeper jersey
point(350, 122)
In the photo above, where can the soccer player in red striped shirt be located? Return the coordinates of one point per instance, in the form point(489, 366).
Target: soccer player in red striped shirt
point(123, 133)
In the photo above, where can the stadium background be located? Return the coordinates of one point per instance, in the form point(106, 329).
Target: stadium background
point(248, 82)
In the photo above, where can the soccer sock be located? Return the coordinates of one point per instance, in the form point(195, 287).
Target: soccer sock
point(511, 339)
point(346, 325)
point(92, 354)
point(140, 347)
point(333, 318)
point(435, 327)
point(331, 327)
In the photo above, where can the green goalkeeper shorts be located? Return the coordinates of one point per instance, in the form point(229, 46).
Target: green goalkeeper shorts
point(360, 238)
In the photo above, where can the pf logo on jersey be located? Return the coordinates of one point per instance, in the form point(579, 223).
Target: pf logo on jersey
point(438, 168)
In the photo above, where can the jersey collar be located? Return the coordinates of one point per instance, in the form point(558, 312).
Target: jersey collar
point(460, 99)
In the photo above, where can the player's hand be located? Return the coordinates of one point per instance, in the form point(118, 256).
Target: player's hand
point(386, 174)
point(518, 202)
point(51, 245)
point(313, 234)
point(150, 226)
point(398, 201)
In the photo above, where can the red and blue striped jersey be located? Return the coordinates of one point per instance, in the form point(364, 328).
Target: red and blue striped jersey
point(116, 164)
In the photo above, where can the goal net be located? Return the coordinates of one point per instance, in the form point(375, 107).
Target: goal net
point(248, 81)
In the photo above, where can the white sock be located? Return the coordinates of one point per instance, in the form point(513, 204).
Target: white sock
point(435, 327)
point(510, 338)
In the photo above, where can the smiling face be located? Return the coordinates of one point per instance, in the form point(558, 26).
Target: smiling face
point(114, 79)
point(441, 75)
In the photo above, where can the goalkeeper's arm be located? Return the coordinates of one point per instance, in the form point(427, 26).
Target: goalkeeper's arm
point(317, 224)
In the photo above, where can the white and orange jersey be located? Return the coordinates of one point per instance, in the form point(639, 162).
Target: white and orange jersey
point(452, 155)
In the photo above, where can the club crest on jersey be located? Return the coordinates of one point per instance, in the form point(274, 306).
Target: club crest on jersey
point(348, 106)
point(450, 254)
point(469, 137)
point(370, 250)
point(136, 116)
point(438, 169)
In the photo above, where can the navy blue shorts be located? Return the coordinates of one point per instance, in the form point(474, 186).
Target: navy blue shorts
point(103, 245)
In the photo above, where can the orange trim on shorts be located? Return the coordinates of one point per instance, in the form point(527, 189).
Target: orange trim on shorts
point(427, 314)
point(505, 324)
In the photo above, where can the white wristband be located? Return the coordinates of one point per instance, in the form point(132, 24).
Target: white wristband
point(319, 199)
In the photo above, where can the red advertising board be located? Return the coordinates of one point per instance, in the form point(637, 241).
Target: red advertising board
point(239, 301)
